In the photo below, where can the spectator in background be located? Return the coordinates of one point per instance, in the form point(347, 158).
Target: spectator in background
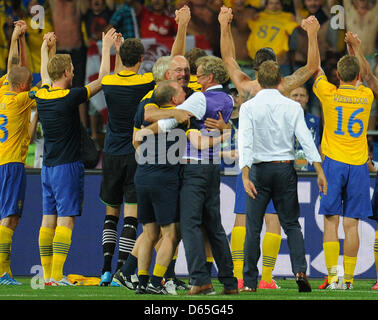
point(155, 22)
point(34, 38)
point(361, 18)
point(95, 18)
point(66, 17)
point(272, 28)
point(313, 123)
point(303, 9)
point(203, 23)
point(3, 41)
point(124, 19)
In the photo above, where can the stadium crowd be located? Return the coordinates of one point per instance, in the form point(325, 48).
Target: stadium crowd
point(126, 71)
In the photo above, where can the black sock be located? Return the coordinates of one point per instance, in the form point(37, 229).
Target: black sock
point(170, 273)
point(109, 241)
point(127, 240)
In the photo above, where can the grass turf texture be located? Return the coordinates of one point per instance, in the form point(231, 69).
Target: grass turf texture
point(288, 291)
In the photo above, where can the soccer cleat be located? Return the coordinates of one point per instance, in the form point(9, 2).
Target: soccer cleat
point(7, 280)
point(156, 290)
point(347, 285)
point(170, 287)
point(240, 283)
point(333, 286)
point(375, 286)
point(140, 289)
point(180, 285)
point(63, 282)
point(324, 285)
point(271, 285)
point(106, 279)
point(129, 282)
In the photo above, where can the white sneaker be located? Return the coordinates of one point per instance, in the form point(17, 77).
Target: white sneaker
point(333, 286)
point(170, 287)
point(63, 282)
point(347, 286)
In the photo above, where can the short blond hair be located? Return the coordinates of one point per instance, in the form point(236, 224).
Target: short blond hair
point(215, 66)
point(18, 75)
point(269, 74)
point(57, 65)
point(348, 68)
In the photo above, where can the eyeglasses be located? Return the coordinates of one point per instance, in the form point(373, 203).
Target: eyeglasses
point(201, 75)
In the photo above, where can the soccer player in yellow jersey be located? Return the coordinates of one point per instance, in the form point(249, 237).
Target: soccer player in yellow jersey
point(272, 29)
point(346, 112)
point(354, 46)
point(15, 104)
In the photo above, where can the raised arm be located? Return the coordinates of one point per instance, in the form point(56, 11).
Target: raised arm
point(182, 20)
point(24, 61)
point(118, 40)
point(354, 46)
point(107, 43)
point(242, 82)
point(48, 49)
point(299, 77)
point(14, 57)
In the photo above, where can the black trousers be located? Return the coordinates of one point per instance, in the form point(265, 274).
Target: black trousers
point(276, 181)
point(200, 205)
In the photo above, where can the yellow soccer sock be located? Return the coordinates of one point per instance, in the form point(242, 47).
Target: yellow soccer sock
point(331, 255)
point(45, 241)
point(159, 270)
point(376, 252)
point(349, 266)
point(270, 248)
point(61, 246)
point(237, 250)
point(6, 235)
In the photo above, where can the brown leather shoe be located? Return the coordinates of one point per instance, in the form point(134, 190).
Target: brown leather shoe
point(247, 289)
point(302, 282)
point(205, 289)
point(230, 291)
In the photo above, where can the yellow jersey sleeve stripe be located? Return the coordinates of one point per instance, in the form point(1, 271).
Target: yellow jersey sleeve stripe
point(136, 129)
point(151, 105)
point(88, 91)
point(192, 130)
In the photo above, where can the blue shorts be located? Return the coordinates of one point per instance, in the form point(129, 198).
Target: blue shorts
point(63, 189)
point(348, 191)
point(374, 200)
point(12, 189)
point(240, 198)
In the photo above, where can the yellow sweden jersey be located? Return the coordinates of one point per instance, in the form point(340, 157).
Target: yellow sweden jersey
point(193, 84)
point(271, 29)
point(346, 114)
point(14, 126)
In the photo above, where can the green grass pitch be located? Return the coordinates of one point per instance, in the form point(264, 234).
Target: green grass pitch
point(288, 291)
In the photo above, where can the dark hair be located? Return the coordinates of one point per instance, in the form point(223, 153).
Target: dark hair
point(192, 55)
point(263, 54)
point(131, 52)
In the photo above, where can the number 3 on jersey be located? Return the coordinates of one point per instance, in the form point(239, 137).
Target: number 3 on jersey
point(3, 129)
point(351, 122)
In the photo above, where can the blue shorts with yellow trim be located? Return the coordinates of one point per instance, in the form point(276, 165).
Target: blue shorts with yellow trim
point(12, 189)
point(63, 189)
point(240, 198)
point(348, 191)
